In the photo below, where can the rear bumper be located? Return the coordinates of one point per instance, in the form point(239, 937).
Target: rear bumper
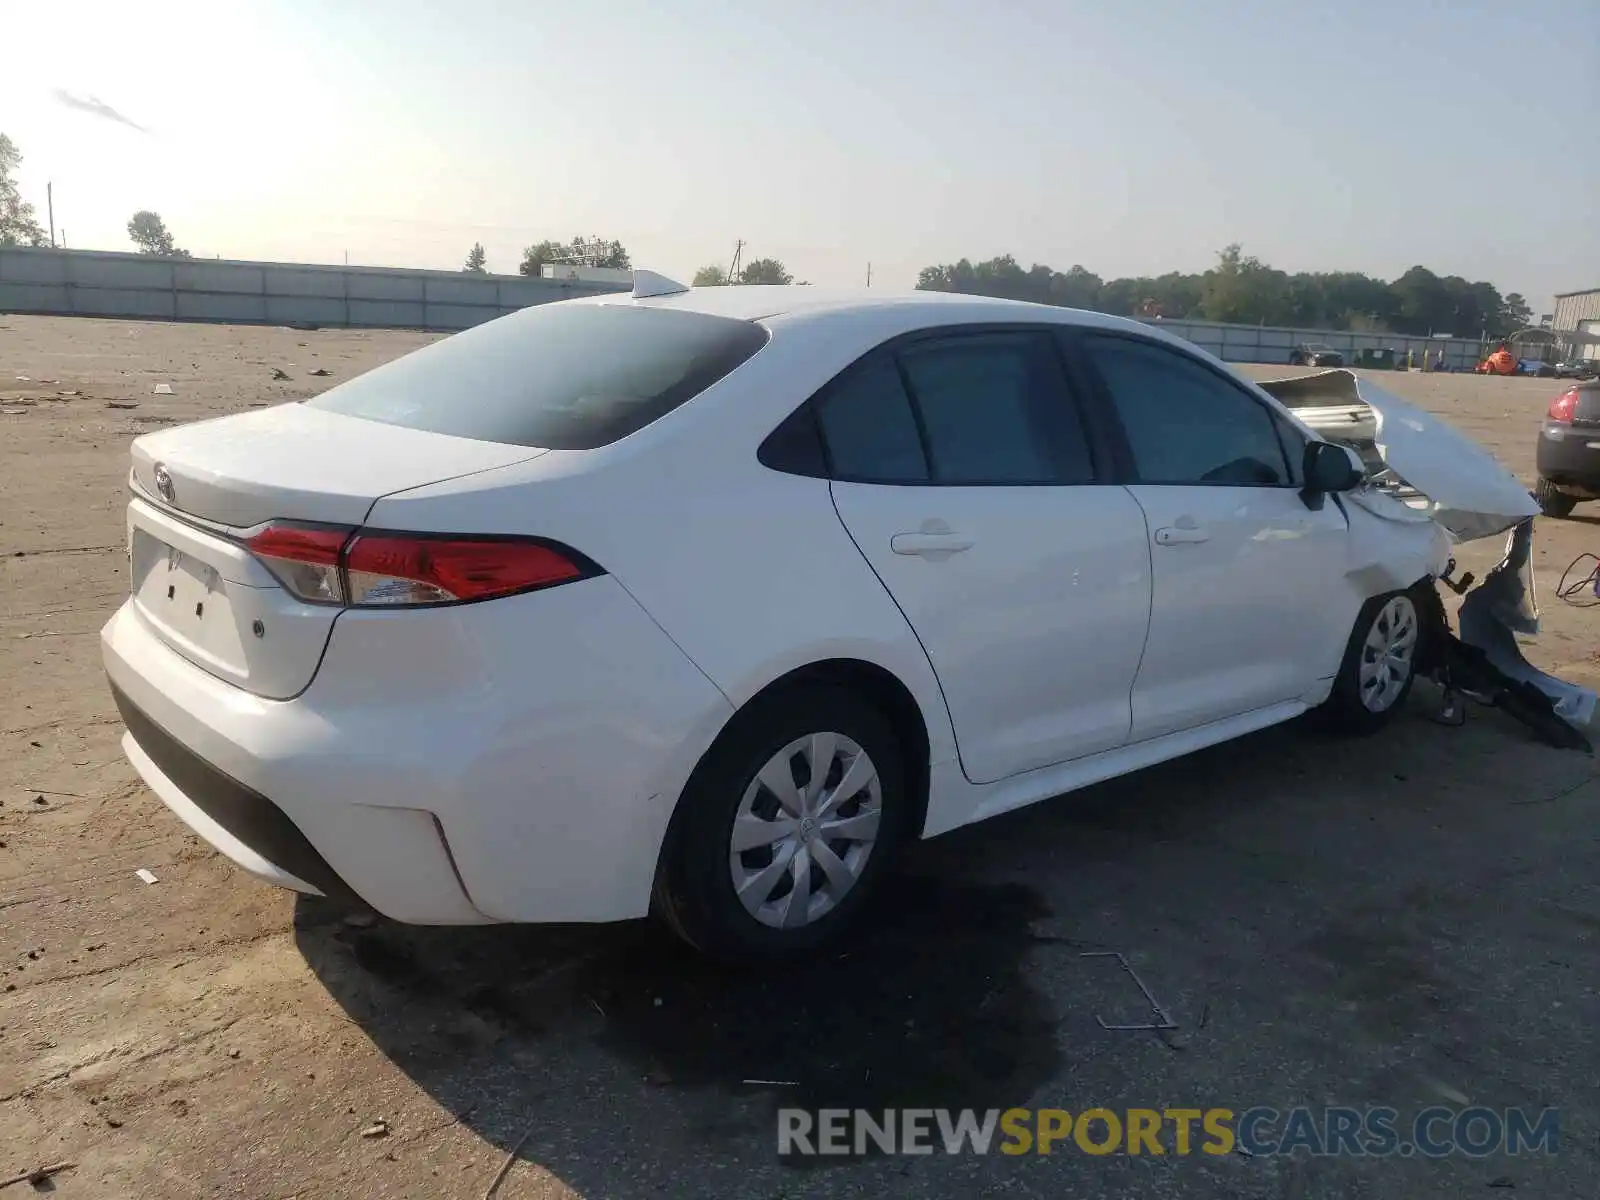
point(251, 830)
point(510, 761)
point(1569, 456)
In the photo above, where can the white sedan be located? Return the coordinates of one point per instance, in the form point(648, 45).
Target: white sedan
point(704, 602)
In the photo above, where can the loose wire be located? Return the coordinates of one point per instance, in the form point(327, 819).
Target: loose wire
point(1573, 593)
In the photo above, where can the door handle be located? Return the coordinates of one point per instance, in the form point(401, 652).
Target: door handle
point(1181, 535)
point(934, 546)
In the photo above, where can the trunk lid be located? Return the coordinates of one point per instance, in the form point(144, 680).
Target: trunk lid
point(297, 462)
point(200, 489)
point(1411, 454)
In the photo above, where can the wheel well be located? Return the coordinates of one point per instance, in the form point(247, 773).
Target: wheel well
point(885, 691)
point(879, 686)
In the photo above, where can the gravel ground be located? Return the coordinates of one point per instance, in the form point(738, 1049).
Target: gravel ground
point(1404, 921)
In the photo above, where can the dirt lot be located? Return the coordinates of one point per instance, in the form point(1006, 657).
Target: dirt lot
point(1407, 921)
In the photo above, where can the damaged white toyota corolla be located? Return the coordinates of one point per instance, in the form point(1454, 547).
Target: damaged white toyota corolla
point(706, 601)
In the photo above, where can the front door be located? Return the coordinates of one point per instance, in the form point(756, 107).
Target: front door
point(1249, 603)
point(964, 476)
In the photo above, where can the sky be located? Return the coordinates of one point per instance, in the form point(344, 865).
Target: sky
point(1133, 138)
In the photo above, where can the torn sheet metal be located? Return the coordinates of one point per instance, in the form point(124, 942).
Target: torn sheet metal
point(1411, 456)
point(1504, 605)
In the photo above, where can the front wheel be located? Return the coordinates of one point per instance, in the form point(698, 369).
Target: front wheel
point(785, 826)
point(1553, 502)
point(1379, 665)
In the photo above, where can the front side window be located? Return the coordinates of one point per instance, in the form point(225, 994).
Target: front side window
point(1184, 423)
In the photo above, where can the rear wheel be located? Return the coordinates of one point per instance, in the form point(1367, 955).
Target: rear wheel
point(1553, 502)
point(785, 826)
point(1379, 665)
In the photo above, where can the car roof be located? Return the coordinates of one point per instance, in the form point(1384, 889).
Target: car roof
point(766, 303)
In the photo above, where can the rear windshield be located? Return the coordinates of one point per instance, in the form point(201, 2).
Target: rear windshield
point(560, 376)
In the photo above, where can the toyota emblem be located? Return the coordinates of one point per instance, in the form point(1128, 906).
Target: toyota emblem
point(164, 482)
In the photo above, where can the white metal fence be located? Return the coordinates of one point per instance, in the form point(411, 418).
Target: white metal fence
point(1272, 344)
point(89, 283)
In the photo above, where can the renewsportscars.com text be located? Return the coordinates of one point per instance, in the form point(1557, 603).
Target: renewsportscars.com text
point(1332, 1131)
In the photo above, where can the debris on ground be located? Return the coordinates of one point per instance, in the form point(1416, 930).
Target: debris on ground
point(13, 412)
point(1163, 1022)
point(70, 393)
point(122, 404)
point(1484, 662)
point(146, 874)
point(38, 1175)
point(378, 1129)
point(162, 389)
point(505, 1166)
point(320, 371)
point(279, 373)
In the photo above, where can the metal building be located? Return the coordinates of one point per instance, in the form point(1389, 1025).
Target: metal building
point(1578, 313)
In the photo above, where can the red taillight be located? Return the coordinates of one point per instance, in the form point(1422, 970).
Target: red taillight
point(388, 568)
point(1563, 406)
point(305, 559)
point(382, 570)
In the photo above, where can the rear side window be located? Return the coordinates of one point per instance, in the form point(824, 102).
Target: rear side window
point(996, 410)
point(557, 376)
point(868, 426)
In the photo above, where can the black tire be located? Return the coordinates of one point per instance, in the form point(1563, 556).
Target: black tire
point(694, 890)
point(1345, 711)
point(1553, 502)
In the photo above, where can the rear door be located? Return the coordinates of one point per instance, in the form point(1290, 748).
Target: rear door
point(1249, 607)
point(963, 471)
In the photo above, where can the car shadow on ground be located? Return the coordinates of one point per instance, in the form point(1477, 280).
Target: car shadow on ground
point(628, 1057)
point(927, 1005)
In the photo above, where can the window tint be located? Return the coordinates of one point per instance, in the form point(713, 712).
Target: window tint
point(561, 376)
point(1185, 423)
point(996, 410)
point(868, 427)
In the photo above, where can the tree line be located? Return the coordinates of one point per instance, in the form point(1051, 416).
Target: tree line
point(1243, 290)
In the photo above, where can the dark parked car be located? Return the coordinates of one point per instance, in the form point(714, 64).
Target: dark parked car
point(1568, 458)
point(1578, 368)
point(1315, 355)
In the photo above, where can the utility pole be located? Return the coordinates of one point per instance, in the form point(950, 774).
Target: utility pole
point(869, 274)
point(50, 203)
point(733, 267)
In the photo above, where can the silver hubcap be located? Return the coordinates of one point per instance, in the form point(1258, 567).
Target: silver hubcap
point(805, 829)
point(1386, 655)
